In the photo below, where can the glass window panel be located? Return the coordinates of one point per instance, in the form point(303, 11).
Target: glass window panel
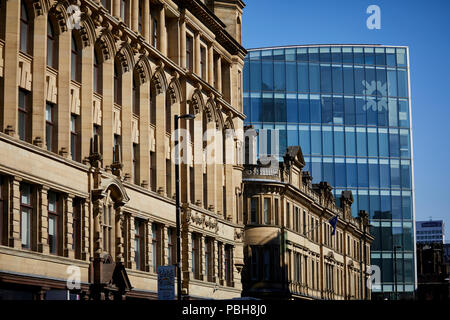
point(402, 78)
point(291, 77)
point(393, 113)
point(376, 244)
point(385, 176)
point(292, 136)
point(363, 200)
point(390, 57)
point(327, 140)
point(327, 109)
point(280, 107)
point(246, 76)
point(355, 208)
point(347, 55)
point(349, 107)
point(278, 54)
point(392, 82)
point(403, 114)
point(404, 143)
point(350, 145)
point(325, 78)
point(267, 55)
point(268, 113)
point(352, 173)
point(380, 57)
point(267, 75)
point(255, 75)
point(291, 108)
point(406, 174)
point(401, 57)
point(337, 78)
point(338, 110)
point(290, 54)
point(282, 138)
point(328, 170)
point(396, 205)
point(361, 114)
point(383, 141)
point(316, 168)
point(363, 174)
point(315, 110)
point(339, 143)
point(340, 171)
point(305, 139)
point(336, 56)
point(394, 143)
point(406, 206)
point(303, 102)
point(381, 82)
point(385, 206)
point(374, 171)
point(395, 174)
point(316, 140)
point(255, 102)
point(369, 56)
point(302, 54)
point(325, 55)
point(348, 80)
point(360, 87)
point(314, 77)
point(408, 269)
point(358, 55)
point(303, 79)
point(374, 203)
point(361, 143)
point(372, 142)
point(371, 107)
point(279, 76)
point(386, 235)
point(313, 54)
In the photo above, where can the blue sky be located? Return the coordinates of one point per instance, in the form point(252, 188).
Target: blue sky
point(424, 26)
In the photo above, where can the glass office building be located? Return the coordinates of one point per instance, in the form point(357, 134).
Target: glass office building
point(348, 107)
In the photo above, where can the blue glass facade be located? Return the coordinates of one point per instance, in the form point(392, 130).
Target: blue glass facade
point(348, 108)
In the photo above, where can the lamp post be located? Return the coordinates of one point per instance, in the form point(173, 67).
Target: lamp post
point(177, 199)
point(395, 270)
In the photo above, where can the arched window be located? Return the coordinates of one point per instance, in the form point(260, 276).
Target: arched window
point(76, 61)
point(152, 106)
point(168, 117)
point(25, 29)
point(52, 46)
point(117, 85)
point(97, 74)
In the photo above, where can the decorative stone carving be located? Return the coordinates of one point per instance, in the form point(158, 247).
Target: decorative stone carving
point(25, 78)
point(135, 130)
point(97, 111)
point(74, 99)
point(117, 124)
point(51, 89)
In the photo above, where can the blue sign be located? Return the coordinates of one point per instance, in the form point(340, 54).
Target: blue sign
point(166, 283)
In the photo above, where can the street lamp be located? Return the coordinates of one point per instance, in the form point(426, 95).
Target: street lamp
point(395, 270)
point(177, 199)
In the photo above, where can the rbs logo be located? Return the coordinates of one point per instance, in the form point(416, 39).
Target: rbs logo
point(374, 20)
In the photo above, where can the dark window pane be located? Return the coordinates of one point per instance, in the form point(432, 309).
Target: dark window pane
point(327, 109)
point(315, 110)
point(304, 108)
point(349, 106)
point(337, 79)
point(360, 87)
point(338, 110)
point(325, 78)
point(402, 83)
point(348, 80)
point(279, 76)
point(314, 77)
point(358, 55)
point(255, 75)
point(292, 109)
point(303, 79)
point(363, 177)
point(385, 176)
point(291, 77)
point(352, 173)
point(267, 76)
point(369, 56)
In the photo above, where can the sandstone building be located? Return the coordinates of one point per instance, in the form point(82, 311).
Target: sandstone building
point(289, 247)
point(86, 139)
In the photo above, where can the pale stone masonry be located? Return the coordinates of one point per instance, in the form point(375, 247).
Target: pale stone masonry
point(117, 80)
point(289, 246)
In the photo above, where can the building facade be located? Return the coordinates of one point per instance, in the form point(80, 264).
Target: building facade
point(430, 231)
point(87, 163)
point(291, 250)
point(348, 107)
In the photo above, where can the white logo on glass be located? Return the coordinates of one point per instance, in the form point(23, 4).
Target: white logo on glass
point(371, 89)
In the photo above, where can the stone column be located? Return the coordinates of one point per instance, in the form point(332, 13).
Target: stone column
point(197, 68)
point(14, 214)
point(183, 42)
point(219, 74)
point(203, 271)
point(85, 231)
point(165, 247)
point(64, 112)
point(68, 227)
point(10, 77)
point(127, 114)
point(160, 137)
point(135, 15)
point(219, 174)
point(215, 255)
point(116, 8)
point(198, 158)
point(118, 236)
point(38, 71)
point(146, 21)
point(97, 236)
point(131, 232)
point(144, 132)
point(42, 220)
point(148, 246)
point(229, 187)
point(107, 111)
point(211, 165)
point(87, 74)
point(186, 260)
point(162, 32)
point(211, 65)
